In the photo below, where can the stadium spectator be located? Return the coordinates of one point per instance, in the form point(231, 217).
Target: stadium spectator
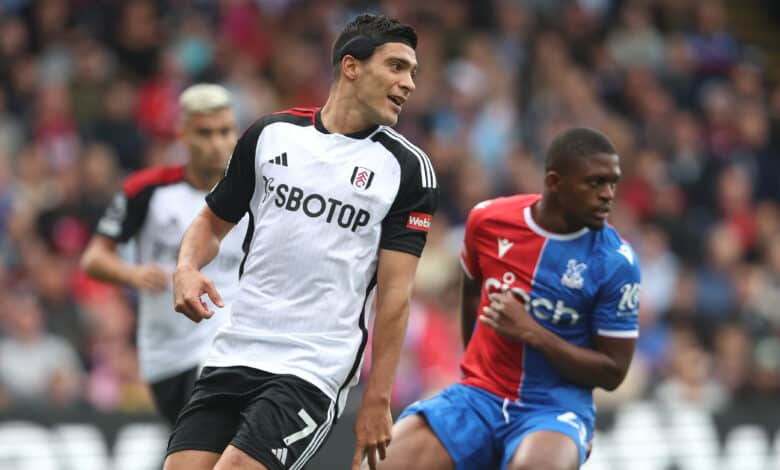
point(36, 367)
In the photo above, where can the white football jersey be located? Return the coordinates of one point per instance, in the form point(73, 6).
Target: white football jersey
point(320, 207)
point(155, 208)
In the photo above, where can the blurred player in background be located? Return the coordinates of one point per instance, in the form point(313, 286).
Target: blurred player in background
point(556, 292)
point(340, 206)
point(154, 208)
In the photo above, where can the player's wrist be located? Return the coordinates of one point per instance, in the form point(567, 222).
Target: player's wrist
point(539, 338)
point(185, 267)
point(371, 397)
point(133, 277)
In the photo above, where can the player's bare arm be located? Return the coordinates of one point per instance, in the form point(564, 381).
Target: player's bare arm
point(373, 426)
point(101, 261)
point(470, 294)
point(198, 247)
point(603, 366)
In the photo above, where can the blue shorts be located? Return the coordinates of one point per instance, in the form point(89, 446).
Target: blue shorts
point(481, 430)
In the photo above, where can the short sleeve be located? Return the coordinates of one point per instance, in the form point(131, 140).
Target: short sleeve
point(405, 228)
point(229, 199)
point(124, 216)
point(616, 313)
point(126, 213)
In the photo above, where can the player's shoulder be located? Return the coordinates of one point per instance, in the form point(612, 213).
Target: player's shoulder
point(151, 178)
point(500, 207)
point(303, 117)
point(297, 116)
point(409, 156)
point(617, 252)
point(396, 143)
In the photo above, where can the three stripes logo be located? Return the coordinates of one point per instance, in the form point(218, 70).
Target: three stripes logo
point(279, 159)
point(361, 178)
point(280, 454)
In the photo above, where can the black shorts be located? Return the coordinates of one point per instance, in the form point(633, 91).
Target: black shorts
point(171, 394)
point(280, 420)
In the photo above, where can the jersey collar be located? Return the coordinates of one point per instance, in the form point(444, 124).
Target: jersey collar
point(529, 220)
point(353, 135)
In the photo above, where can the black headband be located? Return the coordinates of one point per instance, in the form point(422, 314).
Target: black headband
point(361, 47)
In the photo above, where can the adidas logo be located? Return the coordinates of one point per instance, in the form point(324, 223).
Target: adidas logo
point(280, 454)
point(279, 159)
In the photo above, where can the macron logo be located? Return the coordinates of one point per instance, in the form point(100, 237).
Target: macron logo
point(419, 221)
point(626, 252)
point(503, 246)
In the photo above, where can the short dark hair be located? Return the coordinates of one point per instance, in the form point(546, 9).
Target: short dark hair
point(366, 32)
point(574, 144)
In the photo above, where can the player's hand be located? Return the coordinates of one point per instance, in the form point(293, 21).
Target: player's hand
point(508, 316)
point(373, 431)
point(189, 285)
point(150, 277)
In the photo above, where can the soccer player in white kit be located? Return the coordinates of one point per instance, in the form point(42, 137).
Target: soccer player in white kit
point(154, 208)
point(339, 205)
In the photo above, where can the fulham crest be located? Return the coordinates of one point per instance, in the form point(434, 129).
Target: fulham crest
point(361, 178)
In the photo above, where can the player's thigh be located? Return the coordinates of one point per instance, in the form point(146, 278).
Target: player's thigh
point(414, 445)
point(546, 450)
point(191, 460)
point(212, 416)
point(236, 459)
point(285, 425)
point(462, 420)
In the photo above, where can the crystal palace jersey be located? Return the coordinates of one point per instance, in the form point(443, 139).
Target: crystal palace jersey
point(155, 208)
point(580, 284)
point(320, 207)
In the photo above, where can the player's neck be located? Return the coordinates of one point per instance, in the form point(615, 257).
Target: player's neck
point(550, 218)
point(341, 115)
point(201, 181)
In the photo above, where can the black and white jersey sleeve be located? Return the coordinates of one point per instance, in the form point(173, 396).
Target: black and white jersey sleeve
point(230, 197)
point(406, 225)
point(125, 215)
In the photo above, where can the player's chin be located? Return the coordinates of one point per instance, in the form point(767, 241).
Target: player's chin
point(388, 118)
point(389, 115)
point(597, 219)
point(595, 223)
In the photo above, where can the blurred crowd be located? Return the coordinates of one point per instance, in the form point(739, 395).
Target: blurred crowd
point(88, 93)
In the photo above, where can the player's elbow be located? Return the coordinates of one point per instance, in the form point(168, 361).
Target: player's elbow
point(87, 262)
point(90, 259)
point(611, 385)
point(612, 379)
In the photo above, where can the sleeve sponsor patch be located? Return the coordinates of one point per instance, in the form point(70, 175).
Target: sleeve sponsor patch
point(419, 221)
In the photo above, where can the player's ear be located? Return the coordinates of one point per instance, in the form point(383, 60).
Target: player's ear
point(350, 67)
point(181, 127)
point(552, 181)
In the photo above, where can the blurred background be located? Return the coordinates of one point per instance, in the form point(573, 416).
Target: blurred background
point(689, 92)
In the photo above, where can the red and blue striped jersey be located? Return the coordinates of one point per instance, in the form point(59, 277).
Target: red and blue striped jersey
point(580, 284)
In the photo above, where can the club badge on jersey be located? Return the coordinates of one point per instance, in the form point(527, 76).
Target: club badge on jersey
point(361, 178)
